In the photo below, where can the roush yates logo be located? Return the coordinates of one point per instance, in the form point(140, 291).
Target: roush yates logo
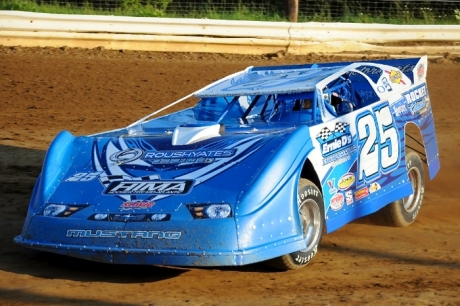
point(149, 187)
point(126, 156)
point(187, 156)
point(334, 141)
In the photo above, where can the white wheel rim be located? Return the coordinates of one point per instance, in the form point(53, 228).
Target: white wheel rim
point(310, 218)
point(410, 202)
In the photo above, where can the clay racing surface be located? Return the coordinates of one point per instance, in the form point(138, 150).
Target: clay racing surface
point(43, 91)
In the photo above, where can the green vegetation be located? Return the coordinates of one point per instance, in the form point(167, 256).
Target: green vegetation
point(356, 11)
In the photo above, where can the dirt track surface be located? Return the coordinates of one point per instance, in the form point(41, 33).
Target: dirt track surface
point(43, 91)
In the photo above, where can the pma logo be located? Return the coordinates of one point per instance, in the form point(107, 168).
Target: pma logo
point(334, 141)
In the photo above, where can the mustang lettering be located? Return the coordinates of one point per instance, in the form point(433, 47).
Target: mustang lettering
point(76, 233)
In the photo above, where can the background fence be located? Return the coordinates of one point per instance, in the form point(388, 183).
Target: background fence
point(360, 11)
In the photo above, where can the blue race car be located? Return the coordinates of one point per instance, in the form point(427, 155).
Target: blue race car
point(267, 160)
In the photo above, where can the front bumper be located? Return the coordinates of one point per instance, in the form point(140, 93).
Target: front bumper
point(174, 243)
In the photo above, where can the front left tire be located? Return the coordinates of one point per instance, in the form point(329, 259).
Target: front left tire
point(311, 214)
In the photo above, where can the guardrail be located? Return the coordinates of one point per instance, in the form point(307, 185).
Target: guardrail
point(222, 36)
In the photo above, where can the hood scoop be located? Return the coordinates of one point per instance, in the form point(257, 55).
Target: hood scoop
point(194, 132)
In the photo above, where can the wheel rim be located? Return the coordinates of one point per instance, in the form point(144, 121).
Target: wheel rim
point(410, 202)
point(310, 217)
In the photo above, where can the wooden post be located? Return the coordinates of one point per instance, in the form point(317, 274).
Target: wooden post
point(292, 10)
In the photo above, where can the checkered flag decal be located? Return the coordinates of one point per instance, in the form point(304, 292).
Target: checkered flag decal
point(107, 179)
point(324, 134)
point(341, 127)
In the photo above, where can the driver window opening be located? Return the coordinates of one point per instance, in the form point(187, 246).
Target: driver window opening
point(281, 108)
point(340, 104)
point(302, 104)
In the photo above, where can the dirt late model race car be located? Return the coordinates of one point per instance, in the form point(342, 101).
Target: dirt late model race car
point(267, 160)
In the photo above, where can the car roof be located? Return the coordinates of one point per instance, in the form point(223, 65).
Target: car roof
point(269, 80)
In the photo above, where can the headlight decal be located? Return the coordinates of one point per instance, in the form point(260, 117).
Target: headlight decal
point(61, 210)
point(210, 211)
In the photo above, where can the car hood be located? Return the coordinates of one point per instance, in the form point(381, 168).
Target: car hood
point(147, 173)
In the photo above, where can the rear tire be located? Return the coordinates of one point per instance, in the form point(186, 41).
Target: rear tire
point(404, 211)
point(311, 213)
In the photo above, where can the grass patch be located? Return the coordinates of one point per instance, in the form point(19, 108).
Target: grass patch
point(323, 12)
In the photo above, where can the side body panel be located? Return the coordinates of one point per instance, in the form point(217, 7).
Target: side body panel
point(360, 162)
point(360, 156)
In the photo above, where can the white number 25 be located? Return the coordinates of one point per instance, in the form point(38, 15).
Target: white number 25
point(378, 143)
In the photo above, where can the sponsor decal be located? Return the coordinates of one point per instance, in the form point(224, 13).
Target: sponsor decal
point(337, 201)
point(242, 148)
point(108, 179)
point(374, 187)
point(420, 71)
point(400, 110)
point(336, 140)
point(340, 157)
point(407, 68)
point(126, 156)
point(385, 86)
point(76, 233)
point(331, 184)
point(346, 181)
point(417, 99)
point(362, 193)
point(396, 77)
point(337, 143)
point(137, 205)
point(416, 94)
point(186, 156)
point(377, 71)
point(182, 160)
point(372, 70)
point(149, 187)
point(349, 197)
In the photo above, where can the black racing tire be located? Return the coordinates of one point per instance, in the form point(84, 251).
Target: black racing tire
point(311, 213)
point(404, 211)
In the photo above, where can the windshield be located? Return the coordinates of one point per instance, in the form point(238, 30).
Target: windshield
point(294, 109)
